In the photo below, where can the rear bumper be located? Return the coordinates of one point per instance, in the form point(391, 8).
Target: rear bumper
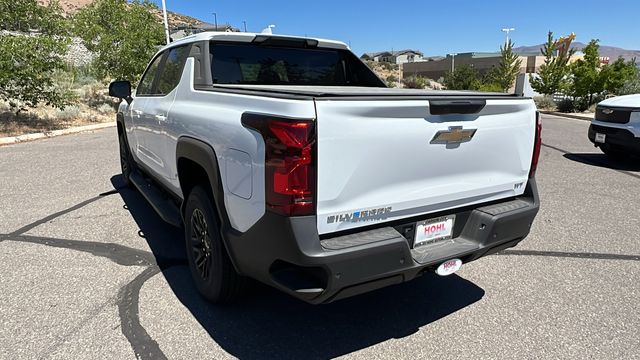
point(615, 136)
point(287, 253)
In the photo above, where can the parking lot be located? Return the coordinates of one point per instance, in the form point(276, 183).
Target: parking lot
point(89, 271)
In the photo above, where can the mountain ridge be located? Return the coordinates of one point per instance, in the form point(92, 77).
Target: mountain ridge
point(71, 7)
point(612, 52)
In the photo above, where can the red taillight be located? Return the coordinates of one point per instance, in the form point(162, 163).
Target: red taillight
point(289, 162)
point(536, 147)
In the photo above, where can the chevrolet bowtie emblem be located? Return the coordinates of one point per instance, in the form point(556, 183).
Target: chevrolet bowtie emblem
point(455, 135)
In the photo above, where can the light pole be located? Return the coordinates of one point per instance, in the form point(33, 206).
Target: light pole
point(245, 25)
point(166, 22)
point(508, 31)
point(215, 20)
point(453, 61)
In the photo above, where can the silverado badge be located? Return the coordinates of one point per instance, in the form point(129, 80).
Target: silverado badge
point(455, 135)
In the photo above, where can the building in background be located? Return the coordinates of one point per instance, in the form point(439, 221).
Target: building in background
point(394, 57)
point(481, 61)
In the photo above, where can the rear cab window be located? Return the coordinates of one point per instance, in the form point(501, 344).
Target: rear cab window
point(239, 63)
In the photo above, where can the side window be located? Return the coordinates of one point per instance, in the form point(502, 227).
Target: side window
point(146, 84)
point(172, 69)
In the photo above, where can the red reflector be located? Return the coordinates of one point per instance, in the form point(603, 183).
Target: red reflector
point(536, 147)
point(289, 163)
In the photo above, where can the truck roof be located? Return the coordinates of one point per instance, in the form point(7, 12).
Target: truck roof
point(249, 37)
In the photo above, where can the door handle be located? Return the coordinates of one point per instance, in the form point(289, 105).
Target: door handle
point(161, 117)
point(136, 113)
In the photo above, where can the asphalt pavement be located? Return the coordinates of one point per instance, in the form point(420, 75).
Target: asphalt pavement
point(89, 271)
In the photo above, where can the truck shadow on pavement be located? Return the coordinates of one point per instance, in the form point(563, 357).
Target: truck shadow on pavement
point(266, 323)
point(601, 160)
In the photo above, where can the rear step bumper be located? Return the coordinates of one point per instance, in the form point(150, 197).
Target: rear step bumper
point(288, 254)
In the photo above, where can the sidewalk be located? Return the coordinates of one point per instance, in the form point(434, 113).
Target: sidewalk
point(579, 116)
point(48, 134)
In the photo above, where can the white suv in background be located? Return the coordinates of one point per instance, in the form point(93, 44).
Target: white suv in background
point(616, 126)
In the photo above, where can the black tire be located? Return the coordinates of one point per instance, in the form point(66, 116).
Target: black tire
point(209, 264)
point(126, 161)
point(613, 152)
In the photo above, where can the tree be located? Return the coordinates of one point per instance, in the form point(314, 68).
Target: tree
point(631, 86)
point(552, 75)
point(586, 79)
point(32, 46)
point(464, 77)
point(615, 75)
point(122, 36)
point(505, 73)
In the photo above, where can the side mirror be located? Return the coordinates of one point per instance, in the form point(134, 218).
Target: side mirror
point(121, 89)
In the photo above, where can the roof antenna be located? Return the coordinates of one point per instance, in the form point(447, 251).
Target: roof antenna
point(268, 30)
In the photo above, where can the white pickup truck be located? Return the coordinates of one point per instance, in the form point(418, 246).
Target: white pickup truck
point(287, 160)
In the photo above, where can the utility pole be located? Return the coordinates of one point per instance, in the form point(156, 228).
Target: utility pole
point(166, 21)
point(245, 25)
point(453, 61)
point(507, 31)
point(215, 19)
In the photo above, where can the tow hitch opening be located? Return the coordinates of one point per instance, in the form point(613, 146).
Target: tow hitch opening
point(449, 267)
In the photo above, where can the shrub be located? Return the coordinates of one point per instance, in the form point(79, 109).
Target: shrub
point(465, 77)
point(105, 109)
point(630, 87)
point(389, 66)
point(545, 102)
point(489, 87)
point(415, 82)
point(566, 106)
point(370, 64)
point(83, 75)
point(82, 79)
point(94, 94)
point(68, 113)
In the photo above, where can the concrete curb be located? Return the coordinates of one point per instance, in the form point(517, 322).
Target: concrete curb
point(569, 115)
point(44, 135)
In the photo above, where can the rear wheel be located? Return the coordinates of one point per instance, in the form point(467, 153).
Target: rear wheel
point(613, 151)
point(126, 161)
point(209, 263)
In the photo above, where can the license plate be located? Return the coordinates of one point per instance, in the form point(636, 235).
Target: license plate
point(433, 230)
point(600, 138)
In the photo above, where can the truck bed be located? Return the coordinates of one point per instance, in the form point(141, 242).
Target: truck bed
point(354, 91)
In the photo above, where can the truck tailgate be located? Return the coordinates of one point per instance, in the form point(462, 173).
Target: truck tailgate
point(378, 161)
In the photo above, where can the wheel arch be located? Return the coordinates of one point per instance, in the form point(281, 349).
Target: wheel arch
point(197, 163)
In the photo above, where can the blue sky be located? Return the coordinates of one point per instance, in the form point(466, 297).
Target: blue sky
point(434, 27)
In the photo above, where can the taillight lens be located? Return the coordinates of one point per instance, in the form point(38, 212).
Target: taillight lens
point(536, 147)
point(290, 172)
